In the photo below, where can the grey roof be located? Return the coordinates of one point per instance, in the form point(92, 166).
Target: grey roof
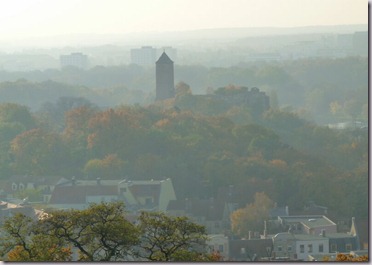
point(309, 220)
point(309, 237)
point(278, 211)
point(164, 59)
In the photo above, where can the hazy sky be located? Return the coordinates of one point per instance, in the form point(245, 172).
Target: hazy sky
point(25, 18)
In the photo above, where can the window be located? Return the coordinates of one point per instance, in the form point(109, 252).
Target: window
point(333, 247)
point(289, 248)
point(242, 251)
point(220, 248)
point(321, 248)
point(348, 247)
point(310, 246)
point(279, 248)
point(268, 251)
point(302, 248)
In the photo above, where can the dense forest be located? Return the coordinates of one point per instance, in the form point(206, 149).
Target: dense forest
point(103, 122)
point(200, 144)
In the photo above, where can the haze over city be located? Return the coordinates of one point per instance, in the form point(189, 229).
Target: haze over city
point(184, 130)
point(22, 19)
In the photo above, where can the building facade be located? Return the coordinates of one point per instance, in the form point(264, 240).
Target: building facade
point(145, 56)
point(76, 59)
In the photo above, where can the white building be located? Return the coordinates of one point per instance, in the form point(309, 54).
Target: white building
point(145, 56)
point(299, 246)
point(150, 195)
point(77, 59)
point(219, 243)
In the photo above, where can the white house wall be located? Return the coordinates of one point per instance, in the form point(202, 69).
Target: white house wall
point(166, 194)
point(315, 247)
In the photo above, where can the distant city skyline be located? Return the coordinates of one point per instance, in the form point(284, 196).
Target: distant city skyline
point(47, 18)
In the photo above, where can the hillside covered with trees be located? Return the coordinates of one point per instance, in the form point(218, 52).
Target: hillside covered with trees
point(202, 148)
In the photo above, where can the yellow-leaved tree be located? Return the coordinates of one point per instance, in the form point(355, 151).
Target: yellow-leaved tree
point(252, 217)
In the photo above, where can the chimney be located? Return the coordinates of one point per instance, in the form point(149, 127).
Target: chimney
point(250, 235)
point(265, 229)
point(287, 210)
point(98, 181)
point(73, 181)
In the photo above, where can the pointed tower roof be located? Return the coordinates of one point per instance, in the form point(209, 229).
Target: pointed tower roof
point(164, 59)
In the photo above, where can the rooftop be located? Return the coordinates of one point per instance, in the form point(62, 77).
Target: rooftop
point(164, 59)
point(310, 221)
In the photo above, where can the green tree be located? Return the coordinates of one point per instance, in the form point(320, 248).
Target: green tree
point(100, 232)
point(10, 112)
point(166, 238)
point(33, 195)
point(38, 152)
point(22, 240)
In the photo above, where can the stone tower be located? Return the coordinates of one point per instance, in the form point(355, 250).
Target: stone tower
point(164, 78)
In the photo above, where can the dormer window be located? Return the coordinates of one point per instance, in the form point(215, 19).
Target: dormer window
point(14, 186)
point(21, 186)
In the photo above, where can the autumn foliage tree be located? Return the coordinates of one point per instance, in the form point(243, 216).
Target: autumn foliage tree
point(38, 152)
point(348, 258)
point(110, 167)
point(252, 217)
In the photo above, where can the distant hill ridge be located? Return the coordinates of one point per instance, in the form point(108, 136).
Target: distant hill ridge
point(169, 37)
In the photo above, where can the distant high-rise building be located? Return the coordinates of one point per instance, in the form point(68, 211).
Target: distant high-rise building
point(145, 56)
point(76, 59)
point(164, 78)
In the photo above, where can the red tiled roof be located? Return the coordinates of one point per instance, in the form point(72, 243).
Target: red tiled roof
point(150, 190)
point(77, 194)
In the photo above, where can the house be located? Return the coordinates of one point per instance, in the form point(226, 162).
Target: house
point(9, 209)
point(219, 243)
point(137, 195)
point(307, 224)
point(292, 246)
point(303, 240)
point(79, 197)
point(147, 194)
point(206, 212)
point(17, 184)
point(250, 249)
point(213, 212)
